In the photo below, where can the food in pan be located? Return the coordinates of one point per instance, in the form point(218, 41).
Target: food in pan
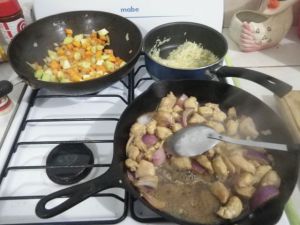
point(78, 58)
point(225, 182)
point(188, 55)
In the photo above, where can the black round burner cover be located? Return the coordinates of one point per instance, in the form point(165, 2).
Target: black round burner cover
point(69, 155)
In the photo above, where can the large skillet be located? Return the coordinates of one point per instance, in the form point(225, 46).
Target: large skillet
point(205, 91)
point(32, 43)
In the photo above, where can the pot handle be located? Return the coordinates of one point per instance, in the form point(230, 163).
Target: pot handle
point(5, 88)
point(278, 87)
point(76, 194)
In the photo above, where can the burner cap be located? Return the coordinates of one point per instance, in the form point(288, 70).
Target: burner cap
point(69, 155)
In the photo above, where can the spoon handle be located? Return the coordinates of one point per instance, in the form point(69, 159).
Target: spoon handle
point(258, 144)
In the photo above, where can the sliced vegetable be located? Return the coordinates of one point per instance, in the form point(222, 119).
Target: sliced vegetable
point(186, 115)
point(260, 157)
point(263, 195)
point(197, 167)
point(159, 157)
point(149, 139)
point(181, 100)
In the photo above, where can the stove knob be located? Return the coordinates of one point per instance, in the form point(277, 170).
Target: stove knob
point(5, 88)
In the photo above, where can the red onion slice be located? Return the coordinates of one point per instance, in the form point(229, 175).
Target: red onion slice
point(148, 182)
point(181, 100)
point(130, 176)
point(262, 195)
point(185, 116)
point(197, 167)
point(159, 157)
point(257, 156)
point(149, 139)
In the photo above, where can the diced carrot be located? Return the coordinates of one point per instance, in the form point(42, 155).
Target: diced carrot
point(112, 58)
point(70, 46)
point(103, 38)
point(101, 68)
point(69, 32)
point(60, 52)
point(76, 43)
point(88, 54)
point(93, 35)
point(98, 54)
point(54, 65)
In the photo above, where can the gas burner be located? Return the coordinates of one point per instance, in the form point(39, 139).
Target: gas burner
point(5, 105)
point(66, 163)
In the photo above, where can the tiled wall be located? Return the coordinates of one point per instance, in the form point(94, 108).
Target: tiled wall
point(231, 6)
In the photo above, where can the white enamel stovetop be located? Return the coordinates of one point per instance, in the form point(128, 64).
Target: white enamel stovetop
point(146, 16)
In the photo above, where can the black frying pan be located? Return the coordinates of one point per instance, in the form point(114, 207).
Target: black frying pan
point(32, 43)
point(205, 91)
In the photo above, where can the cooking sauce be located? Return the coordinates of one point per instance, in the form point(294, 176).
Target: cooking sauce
point(186, 195)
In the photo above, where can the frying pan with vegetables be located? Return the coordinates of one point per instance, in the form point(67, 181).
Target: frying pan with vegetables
point(32, 45)
point(286, 163)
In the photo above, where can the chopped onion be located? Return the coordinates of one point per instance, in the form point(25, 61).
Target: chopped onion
point(257, 156)
point(262, 195)
point(145, 118)
point(197, 167)
point(181, 100)
point(130, 176)
point(149, 139)
point(159, 157)
point(185, 116)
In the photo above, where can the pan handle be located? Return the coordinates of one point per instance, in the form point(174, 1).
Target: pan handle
point(278, 87)
point(77, 194)
point(5, 88)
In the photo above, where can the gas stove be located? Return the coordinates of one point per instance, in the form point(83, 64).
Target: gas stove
point(45, 120)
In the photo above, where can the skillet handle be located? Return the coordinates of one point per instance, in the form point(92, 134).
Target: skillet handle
point(76, 194)
point(278, 87)
point(5, 88)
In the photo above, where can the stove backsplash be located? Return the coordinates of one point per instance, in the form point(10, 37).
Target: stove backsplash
point(230, 7)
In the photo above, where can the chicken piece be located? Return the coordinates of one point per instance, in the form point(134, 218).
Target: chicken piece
point(248, 128)
point(177, 109)
point(151, 127)
point(271, 178)
point(176, 127)
point(196, 119)
point(232, 209)
point(163, 132)
point(261, 171)
point(239, 161)
point(220, 167)
point(182, 163)
point(191, 102)
point(231, 168)
point(219, 116)
point(132, 152)
point(214, 106)
point(231, 113)
point(145, 168)
point(176, 116)
point(163, 118)
point(245, 179)
point(205, 111)
point(216, 126)
point(167, 103)
point(138, 129)
point(232, 127)
point(138, 142)
point(204, 161)
point(246, 192)
point(211, 153)
point(220, 191)
point(131, 165)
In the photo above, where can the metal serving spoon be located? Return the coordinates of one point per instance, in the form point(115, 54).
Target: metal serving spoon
point(197, 139)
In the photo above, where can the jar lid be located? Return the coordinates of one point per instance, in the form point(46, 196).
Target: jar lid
point(9, 7)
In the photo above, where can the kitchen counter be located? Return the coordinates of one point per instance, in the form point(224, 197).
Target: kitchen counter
point(281, 62)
